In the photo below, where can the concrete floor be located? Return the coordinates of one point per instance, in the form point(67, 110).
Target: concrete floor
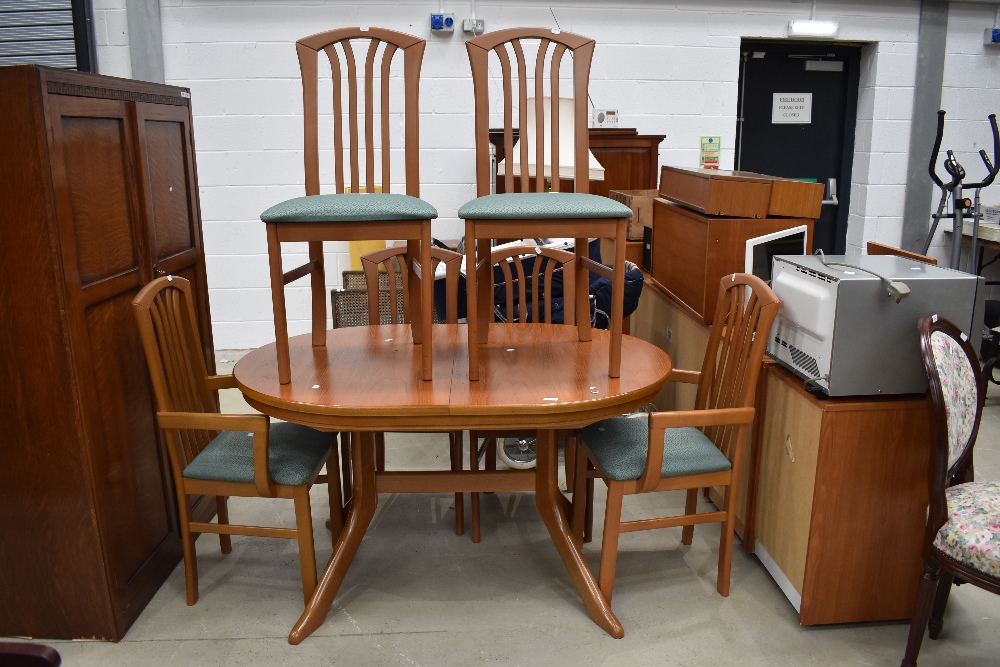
point(417, 594)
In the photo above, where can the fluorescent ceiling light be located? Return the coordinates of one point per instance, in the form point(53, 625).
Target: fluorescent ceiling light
point(813, 29)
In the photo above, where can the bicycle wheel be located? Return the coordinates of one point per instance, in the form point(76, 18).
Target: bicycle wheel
point(517, 453)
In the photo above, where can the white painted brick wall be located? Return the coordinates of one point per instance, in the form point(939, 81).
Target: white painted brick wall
point(670, 68)
point(111, 38)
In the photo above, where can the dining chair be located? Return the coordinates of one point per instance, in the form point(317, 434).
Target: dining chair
point(689, 449)
point(394, 273)
point(532, 284)
point(360, 207)
point(533, 212)
point(225, 455)
point(961, 539)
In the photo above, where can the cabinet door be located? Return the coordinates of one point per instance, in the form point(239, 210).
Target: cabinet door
point(170, 202)
point(103, 255)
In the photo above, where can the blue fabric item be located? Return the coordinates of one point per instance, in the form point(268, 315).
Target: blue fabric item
point(619, 446)
point(295, 455)
point(542, 206)
point(350, 207)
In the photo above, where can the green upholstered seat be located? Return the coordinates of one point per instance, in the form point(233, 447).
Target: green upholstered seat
point(350, 207)
point(543, 206)
point(619, 446)
point(295, 455)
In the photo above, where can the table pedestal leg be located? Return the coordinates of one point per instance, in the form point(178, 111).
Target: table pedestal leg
point(551, 505)
point(363, 505)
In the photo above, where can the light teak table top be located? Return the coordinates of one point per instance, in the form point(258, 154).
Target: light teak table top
point(536, 377)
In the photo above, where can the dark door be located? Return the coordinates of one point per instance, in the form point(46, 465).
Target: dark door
point(797, 111)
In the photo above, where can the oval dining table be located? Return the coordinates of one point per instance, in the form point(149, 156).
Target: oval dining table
point(532, 377)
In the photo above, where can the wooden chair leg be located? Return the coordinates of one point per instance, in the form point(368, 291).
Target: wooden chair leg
point(304, 531)
point(921, 612)
point(456, 440)
point(187, 546)
point(578, 520)
point(609, 544)
point(690, 507)
point(222, 510)
point(726, 542)
point(278, 304)
point(936, 622)
point(570, 446)
point(380, 452)
point(588, 522)
point(474, 466)
point(490, 456)
point(336, 521)
point(347, 484)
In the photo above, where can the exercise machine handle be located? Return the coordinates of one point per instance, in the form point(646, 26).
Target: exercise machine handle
point(955, 168)
point(991, 167)
point(932, 167)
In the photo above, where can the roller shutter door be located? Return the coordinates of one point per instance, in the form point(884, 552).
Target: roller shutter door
point(57, 33)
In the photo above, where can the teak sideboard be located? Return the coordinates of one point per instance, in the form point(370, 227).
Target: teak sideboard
point(99, 195)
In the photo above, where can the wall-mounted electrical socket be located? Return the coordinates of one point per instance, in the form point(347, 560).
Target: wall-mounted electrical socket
point(442, 23)
point(474, 26)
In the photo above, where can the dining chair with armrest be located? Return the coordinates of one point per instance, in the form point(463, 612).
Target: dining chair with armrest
point(962, 538)
point(533, 212)
point(689, 449)
point(225, 455)
point(361, 207)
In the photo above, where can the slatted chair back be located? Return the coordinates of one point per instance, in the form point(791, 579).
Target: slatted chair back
point(393, 266)
point(534, 63)
point(533, 286)
point(957, 394)
point(365, 85)
point(164, 311)
point(743, 317)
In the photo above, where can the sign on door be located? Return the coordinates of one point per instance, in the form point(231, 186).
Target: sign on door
point(792, 108)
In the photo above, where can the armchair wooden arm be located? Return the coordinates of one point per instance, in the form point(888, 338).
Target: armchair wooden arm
point(660, 421)
point(256, 424)
point(216, 382)
point(687, 377)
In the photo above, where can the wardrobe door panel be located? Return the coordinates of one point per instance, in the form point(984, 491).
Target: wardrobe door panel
point(170, 199)
point(106, 261)
point(97, 164)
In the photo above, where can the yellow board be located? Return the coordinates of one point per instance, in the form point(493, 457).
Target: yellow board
point(358, 248)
